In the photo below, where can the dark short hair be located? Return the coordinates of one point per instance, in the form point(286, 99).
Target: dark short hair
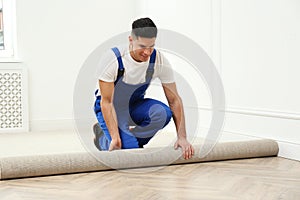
point(144, 27)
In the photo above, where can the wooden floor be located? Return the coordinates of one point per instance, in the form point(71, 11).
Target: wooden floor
point(259, 178)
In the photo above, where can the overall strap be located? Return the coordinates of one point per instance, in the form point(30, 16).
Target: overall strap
point(120, 69)
point(121, 66)
point(150, 69)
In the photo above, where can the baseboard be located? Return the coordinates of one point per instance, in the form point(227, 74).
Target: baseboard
point(287, 149)
point(281, 127)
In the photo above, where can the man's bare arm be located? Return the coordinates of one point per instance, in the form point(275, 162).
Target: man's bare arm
point(109, 113)
point(176, 106)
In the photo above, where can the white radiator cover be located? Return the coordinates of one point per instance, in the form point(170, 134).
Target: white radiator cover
point(13, 98)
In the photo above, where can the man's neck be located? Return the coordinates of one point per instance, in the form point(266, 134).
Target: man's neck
point(132, 54)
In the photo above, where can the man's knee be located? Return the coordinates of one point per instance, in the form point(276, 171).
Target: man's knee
point(161, 113)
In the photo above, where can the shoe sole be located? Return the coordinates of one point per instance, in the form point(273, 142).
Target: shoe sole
point(98, 132)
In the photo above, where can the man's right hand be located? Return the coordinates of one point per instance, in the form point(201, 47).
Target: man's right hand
point(115, 144)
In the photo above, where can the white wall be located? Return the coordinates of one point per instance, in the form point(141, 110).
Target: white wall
point(254, 45)
point(54, 39)
point(193, 19)
point(260, 70)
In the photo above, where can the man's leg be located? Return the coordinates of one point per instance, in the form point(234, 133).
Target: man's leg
point(150, 116)
point(104, 139)
point(129, 141)
point(102, 136)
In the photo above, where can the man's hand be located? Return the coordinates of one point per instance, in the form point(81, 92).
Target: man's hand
point(186, 147)
point(115, 144)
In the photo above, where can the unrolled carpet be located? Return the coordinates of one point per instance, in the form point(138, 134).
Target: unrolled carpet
point(40, 165)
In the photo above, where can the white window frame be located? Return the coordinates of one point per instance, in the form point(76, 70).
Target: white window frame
point(9, 28)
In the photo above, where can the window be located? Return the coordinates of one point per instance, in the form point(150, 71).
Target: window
point(7, 29)
point(1, 29)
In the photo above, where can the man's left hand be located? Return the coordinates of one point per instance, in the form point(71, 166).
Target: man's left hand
point(186, 147)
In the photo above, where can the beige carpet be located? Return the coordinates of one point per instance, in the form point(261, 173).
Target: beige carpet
point(37, 154)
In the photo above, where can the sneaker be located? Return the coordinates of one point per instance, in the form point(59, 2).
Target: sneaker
point(98, 133)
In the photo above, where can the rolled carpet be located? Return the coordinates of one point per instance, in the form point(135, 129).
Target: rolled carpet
point(40, 165)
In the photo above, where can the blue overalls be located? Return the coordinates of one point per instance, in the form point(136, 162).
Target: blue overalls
point(132, 109)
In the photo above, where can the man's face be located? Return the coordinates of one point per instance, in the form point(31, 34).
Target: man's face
point(142, 48)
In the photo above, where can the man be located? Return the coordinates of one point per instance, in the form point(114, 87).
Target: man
point(127, 119)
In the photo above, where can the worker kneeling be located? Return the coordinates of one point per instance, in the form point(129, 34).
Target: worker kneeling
point(126, 119)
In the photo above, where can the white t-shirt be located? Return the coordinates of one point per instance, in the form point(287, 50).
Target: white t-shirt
point(135, 72)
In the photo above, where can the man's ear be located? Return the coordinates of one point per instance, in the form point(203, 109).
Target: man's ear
point(130, 39)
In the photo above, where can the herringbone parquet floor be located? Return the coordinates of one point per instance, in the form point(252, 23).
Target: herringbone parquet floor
point(259, 178)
